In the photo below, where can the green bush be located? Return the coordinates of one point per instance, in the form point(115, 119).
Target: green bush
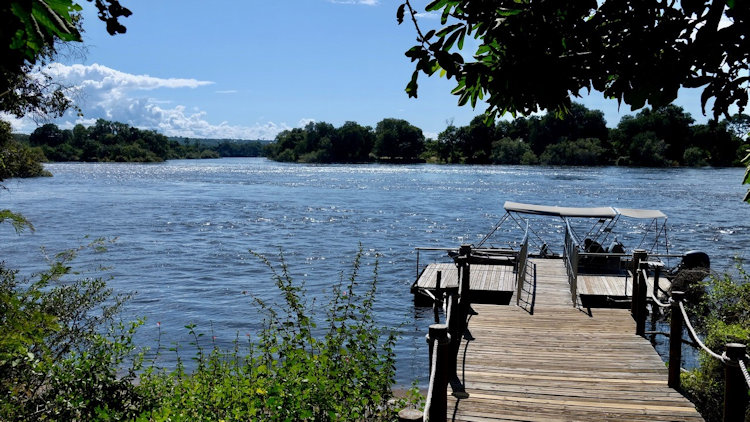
point(61, 352)
point(293, 370)
point(64, 357)
point(723, 316)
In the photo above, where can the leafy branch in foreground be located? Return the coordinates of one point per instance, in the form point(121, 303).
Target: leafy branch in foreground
point(528, 55)
point(61, 350)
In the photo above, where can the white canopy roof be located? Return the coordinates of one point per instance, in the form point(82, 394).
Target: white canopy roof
point(636, 213)
point(591, 212)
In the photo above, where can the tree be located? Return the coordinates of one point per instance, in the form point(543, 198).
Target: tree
point(533, 55)
point(31, 32)
point(398, 140)
point(670, 124)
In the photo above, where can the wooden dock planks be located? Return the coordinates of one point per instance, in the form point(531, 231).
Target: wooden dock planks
point(613, 285)
point(562, 363)
point(483, 277)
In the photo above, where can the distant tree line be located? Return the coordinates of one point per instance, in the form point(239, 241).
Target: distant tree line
point(392, 140)
point(119, 142)
point(666, 136)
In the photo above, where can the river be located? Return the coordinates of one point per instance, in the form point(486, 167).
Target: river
point(184, 228)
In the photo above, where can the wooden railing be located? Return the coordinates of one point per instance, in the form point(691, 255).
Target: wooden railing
point(444, 341)
point(734, 357)
point(521, 264)
point(570, 255)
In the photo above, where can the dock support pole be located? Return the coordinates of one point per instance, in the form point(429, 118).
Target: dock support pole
point(675, 340)
point(735, 388)
point(454, 330)
point(438, 297)
point(437, 395)
point(638, 256)
point(464, 291)
point(641, 311)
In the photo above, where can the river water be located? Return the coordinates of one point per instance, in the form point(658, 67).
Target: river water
point(183, 228)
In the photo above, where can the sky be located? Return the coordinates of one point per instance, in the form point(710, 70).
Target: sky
point(248, 69)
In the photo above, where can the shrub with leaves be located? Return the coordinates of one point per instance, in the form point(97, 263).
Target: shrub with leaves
point(61, 352)
point(723, 316)
point(293, 369)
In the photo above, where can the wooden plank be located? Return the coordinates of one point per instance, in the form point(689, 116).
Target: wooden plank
point(561, 363)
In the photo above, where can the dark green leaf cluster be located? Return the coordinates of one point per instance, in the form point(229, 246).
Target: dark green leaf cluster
point(532, 55)
point(393, 140)
point(30, 34)
point(111, 141)
point(722, 314)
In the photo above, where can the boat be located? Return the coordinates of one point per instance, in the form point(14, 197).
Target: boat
point(599, 256)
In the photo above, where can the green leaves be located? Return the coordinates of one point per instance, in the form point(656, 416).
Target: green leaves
point(42, 22)
point(343, 373)
point(535, 55)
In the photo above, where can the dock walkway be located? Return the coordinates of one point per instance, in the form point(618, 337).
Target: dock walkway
point(561, 363)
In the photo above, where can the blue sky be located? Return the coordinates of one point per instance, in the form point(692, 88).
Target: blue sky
point(249, 69)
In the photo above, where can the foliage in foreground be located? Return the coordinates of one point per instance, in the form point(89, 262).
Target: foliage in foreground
point(63, 356)
point(293, 370)
point(61, 352)
point(723, 317)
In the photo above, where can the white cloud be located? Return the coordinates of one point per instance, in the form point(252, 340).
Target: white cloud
point(103, 92)
point(227, 91)
point(305, 121)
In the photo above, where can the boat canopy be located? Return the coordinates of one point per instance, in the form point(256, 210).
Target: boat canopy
point(636, 213)
point(590, 212)
point(553, 210)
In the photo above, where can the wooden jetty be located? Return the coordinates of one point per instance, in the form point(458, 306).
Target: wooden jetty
point(489, 283)
point(551, 358)
point(561, 363)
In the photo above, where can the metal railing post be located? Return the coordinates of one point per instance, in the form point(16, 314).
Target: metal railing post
point(735, 388)
point(675, 340)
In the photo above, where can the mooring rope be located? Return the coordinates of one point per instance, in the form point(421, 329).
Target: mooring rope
point(697, 340)
point(644, 274)
point(744, 371)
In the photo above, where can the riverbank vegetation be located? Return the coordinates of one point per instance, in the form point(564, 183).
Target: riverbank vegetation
point(653, 138)
point(18, 159)
point(119, 142)
point(65, 355)
point(722, 315)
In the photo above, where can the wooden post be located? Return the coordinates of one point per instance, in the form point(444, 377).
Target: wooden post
point(438, 392)
point(454, 330)
point(657, 274)
point(640, 321)
point(638, 256)
point(465, 254)
point(675, 340)
point(735, 388)
point(438, 296)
